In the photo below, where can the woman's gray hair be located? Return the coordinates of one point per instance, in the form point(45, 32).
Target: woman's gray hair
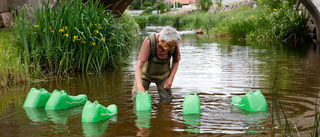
point(168, 34)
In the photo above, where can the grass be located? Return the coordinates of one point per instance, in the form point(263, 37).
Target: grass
point(75, 36)
point(12, 70)
point(245, 23)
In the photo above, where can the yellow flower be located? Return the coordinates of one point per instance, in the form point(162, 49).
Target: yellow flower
point(93, 43)
point(50, 27)
point(103, 39)
point(66, 35)
point(75, 37)
point(60, 30)
point(275, 10)
point(52, 31)
point(72, 59)
point(251, 16)
point(290, 19)
point(96, 31)
point(260, 18)
point(37, 26)
point(100, 28)
point(65, 27)
point(84, 42)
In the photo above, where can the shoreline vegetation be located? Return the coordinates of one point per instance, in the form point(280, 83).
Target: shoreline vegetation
point(245, 23)
point(75, 37)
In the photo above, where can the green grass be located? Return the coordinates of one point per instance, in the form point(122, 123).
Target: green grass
point(75, 36)
point(244, 23)
point(12, 70)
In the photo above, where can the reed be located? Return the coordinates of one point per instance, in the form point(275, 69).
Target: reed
point(12, 70)
point(75, 36)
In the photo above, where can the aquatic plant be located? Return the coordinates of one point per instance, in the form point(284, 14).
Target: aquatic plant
point(12, 70)
point(74, 36)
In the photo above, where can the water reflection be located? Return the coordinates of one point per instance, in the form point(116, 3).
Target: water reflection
point(192, 122)
point(97, 128)
point(255, 120)
point(37, 114)
point(143, 123)
point(57, 116)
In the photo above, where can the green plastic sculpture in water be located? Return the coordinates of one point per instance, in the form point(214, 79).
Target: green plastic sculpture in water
point(191, 104)
point(61, 100)
point(251, 101)
point(94, 112)
point(36, 98)
point(143, 101)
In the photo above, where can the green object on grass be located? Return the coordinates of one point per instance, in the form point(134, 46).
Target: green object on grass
point(143, 101)
point(94, 112)
point(61, 100)
point(191, 104)
point(36, 98)
point(251, 101)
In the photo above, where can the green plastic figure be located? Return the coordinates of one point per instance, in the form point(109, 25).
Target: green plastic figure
point(143, 101)
point(94, 112)
point(251, 101)
point(191, 104)
point(61, 100)
point(36, 98)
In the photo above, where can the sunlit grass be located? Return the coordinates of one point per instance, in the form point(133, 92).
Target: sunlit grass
point(12, 70)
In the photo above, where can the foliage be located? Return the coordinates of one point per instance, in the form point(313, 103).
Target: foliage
point(147, 11)
point(279, 4)
point(146, 5)
point(161, 6)
point(204, 5)
point(179, 5)
point(12, 70)
point(141, 21)
point(74, 36)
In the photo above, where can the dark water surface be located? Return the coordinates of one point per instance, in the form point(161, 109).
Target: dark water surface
point(214, 69)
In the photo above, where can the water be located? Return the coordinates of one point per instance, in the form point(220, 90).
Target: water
point(214, 69)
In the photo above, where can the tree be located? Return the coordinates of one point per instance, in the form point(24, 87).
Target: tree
point(204, 4)
point(315, 14)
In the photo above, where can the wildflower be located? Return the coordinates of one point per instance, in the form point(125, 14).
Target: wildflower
point(103, 39)
point(260, 18)
point(251, 16)
point(93, 43)
point(75, 37)
point(290, 19)
point(100, 28)
point(50, 28)
point(66, 35)
point(275, 10)
point(60, 30)
point(84, 42)
point(52, 31)
point(96, 31)
point(37, 26)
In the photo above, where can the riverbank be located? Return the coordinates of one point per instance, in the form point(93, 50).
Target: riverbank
point(311, 30)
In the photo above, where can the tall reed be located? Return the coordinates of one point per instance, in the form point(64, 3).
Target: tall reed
point(12, 70)
point(73, 36)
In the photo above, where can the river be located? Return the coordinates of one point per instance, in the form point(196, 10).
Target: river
point(215, 69)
